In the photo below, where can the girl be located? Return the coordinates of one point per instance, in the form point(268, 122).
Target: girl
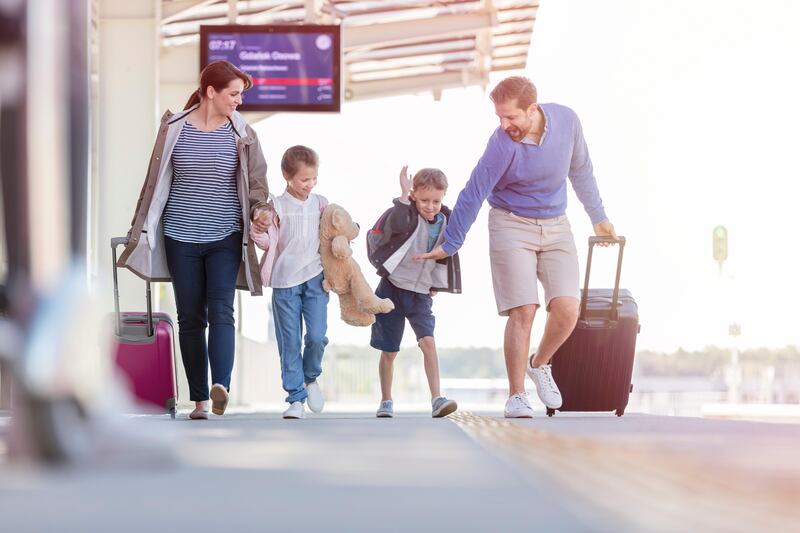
point(293, 268)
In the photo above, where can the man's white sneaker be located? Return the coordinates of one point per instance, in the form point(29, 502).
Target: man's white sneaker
point(546, 388)
point(295, 410)
point(518, 406)
point(316, 401)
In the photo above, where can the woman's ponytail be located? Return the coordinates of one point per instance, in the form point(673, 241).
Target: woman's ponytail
point(218, 75)
point(193, 99)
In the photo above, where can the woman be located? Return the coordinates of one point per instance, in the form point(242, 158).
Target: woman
point(205, 184)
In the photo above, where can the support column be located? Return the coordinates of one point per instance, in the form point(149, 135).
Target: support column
point(128, 111)
point(179, 75)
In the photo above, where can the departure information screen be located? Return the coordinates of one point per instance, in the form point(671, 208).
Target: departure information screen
point(293, 67)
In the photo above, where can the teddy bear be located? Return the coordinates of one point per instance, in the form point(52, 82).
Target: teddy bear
point(342, 274)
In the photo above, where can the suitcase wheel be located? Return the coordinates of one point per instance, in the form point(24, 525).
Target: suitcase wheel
point(172, 407)
point(619, 412)
point(550, 412)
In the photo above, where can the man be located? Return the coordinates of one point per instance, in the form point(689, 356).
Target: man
point(523, 172)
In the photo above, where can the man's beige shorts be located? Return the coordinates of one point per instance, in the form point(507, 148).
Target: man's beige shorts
point(524, 249)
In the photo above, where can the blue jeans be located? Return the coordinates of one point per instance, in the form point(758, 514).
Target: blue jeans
point(290, 306)
point(204, 281)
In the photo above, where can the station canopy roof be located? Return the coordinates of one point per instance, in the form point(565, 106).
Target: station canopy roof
point(389, 47)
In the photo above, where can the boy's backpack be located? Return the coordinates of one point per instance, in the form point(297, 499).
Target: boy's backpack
point(388, 234)
point(377, 240)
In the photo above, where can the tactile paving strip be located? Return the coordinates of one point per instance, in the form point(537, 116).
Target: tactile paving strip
point(643, 486)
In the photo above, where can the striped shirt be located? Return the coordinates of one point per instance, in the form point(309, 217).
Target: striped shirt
point(203, 204)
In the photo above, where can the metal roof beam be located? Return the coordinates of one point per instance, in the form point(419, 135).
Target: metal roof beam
point(313, 8)
point(418, 84)
point(354, 37)
point(388, 54)
point(178, 8)
point(382, 7)
point(204, 9)
point(411, 61)
point(498, 66)
point(413, 71)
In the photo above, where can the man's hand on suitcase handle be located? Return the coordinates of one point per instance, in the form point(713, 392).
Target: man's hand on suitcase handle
point(605, 229)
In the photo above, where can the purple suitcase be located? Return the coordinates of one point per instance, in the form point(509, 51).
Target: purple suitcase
point(145, 349)
point(593, 367)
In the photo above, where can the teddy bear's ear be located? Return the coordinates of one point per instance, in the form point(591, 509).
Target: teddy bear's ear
point(338, 219)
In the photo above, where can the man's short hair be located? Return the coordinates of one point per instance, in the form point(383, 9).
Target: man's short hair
point(517, 88)
point(431, 178)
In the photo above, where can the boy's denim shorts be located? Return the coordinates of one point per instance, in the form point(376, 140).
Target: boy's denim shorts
point(387, 331)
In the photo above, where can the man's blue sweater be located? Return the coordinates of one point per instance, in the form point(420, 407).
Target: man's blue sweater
point(527, 179)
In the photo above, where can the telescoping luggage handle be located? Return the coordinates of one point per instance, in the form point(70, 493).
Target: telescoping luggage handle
point(615, 297)
point(116, 241)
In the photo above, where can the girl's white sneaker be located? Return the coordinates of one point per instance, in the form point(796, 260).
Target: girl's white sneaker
point(316, 401)
point(295, 410)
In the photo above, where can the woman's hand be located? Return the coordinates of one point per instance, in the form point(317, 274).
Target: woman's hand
point(262, 219)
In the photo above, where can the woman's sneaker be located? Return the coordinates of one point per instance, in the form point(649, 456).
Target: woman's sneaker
point(295, 410)
point(219, 399)
point(441, 406)
point(199, 414)
point(386, 410)
point(316, 401)
point(546, 388)
point(518, 406)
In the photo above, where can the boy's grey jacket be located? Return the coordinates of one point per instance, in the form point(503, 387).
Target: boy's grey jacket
point(400, 231)
point(144, 254)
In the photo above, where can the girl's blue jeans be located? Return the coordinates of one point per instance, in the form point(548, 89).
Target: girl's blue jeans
point(291, 308)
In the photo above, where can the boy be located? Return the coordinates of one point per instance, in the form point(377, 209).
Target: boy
point(413, 226)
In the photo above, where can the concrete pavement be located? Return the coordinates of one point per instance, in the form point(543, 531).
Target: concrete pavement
point(257, 472)
point(352, 472)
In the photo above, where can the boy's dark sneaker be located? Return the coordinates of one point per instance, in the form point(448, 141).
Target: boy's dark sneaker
point(442, 407)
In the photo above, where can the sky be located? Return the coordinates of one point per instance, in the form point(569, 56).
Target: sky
point(690, 113)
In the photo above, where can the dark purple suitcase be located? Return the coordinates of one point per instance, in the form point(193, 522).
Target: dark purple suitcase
point(593, 367)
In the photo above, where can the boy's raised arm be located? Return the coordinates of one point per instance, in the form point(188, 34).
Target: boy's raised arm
point(405, 184)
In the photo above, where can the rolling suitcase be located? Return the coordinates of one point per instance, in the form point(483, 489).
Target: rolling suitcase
point(145, 349)
point(593, 367)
